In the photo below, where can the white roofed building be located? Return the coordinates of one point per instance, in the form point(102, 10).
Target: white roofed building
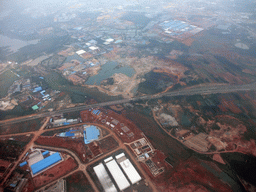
point(128, 168)
point(117, 173)
point(80, 52)
point(94, 48)
point(104, 178)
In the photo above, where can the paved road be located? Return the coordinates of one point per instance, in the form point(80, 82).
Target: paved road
point(197, 90)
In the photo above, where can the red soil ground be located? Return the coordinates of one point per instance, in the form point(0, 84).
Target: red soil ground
point(226, 105)
point(218, 158)
point(78, 147)
point(29, 186)
point(75, 145)
point(190, 175)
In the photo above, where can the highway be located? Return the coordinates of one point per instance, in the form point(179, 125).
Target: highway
point(197, 90)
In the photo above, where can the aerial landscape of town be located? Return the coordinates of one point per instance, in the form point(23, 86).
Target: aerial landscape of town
point(132, 96)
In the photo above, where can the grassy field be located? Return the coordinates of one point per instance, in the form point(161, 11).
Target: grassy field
point(6, 80)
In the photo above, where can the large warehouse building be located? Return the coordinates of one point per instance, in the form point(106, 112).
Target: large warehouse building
point(104, 178)
point(128, 168)
point(45, 163)
point(91, 133)
point(122, 172)
point(117, 173)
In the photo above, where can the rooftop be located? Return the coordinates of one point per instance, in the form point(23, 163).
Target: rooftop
point(45, 163)
point(91, 133)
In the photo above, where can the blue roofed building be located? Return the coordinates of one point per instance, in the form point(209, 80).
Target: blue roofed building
point(37, 89)
point(70, 133)
point(45, 163)
point(96, 112)
point(23, 163)
point(91, 133)
point(45, 153)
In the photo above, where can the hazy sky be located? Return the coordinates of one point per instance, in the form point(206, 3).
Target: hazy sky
point(53, 5)
point(61, 3)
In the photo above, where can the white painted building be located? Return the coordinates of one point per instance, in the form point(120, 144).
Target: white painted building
point(117, 173)
point(128, 168)
point(80, 52)
point(104, 178)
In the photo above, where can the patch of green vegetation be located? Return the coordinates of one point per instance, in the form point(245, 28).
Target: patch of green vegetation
point(53, 62)
point(24, 71)
point(155, 83)
point(55, 80)
point(78, 182)
point(6, 80)
point(139, 19)
point(163, 49)
point(3, 52)
point(26, 126)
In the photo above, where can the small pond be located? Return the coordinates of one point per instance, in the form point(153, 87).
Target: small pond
point(107, 70)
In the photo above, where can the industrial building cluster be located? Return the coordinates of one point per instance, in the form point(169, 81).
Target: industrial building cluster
point(28, 94)
point(121, 170)
point(179, 29)
point(89, 133)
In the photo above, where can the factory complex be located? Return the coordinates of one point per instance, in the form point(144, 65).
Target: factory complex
point(120, 169)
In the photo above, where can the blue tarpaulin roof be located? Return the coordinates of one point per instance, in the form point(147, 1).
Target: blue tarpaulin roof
point(96, 112)
point(69, 134)
point(45, 163)
point(45, 153)
point(91, 133)
point(23, 163)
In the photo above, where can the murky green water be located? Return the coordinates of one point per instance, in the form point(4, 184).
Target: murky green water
point(107, 70)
